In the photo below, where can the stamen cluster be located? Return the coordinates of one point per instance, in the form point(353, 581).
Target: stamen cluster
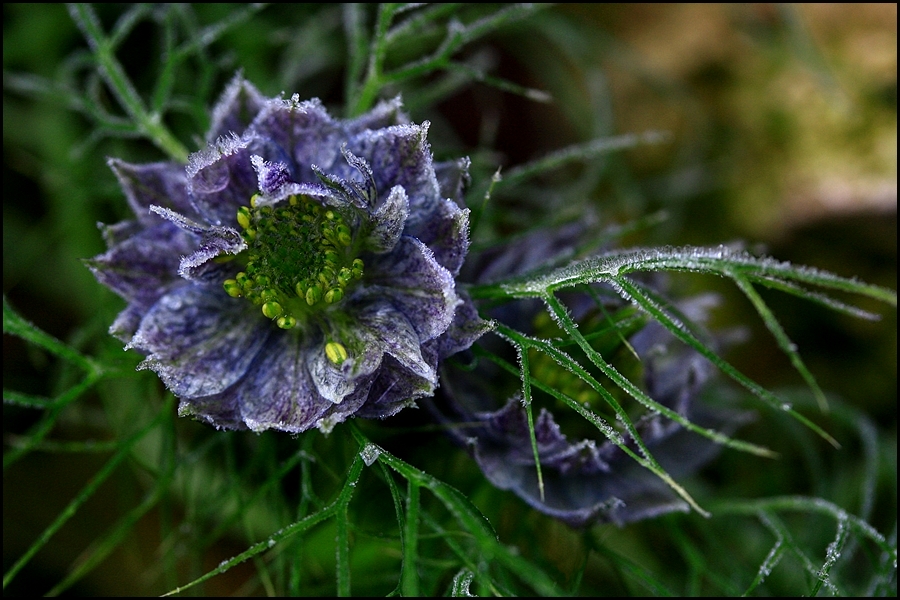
point(297, 250)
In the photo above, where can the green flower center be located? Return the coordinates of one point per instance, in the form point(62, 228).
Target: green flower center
point(300, 259)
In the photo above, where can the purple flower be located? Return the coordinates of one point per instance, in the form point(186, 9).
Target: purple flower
point(587, 478)
point(299, 271)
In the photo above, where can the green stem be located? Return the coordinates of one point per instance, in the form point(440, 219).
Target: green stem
point(149, 123)
point(374, 82)
point(85, 494)
point(409, 577)
point(784, 342)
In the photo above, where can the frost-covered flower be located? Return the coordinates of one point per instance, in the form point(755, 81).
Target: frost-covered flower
point(298, 271)
point(586, 477)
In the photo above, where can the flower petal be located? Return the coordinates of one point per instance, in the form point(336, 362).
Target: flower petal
point(446, 233)
point(467, 326)
point(336, 382)
point(590, 481)
point(271, 176)
point(581, 482)
point(400, 155)
point(388, 219)
point(119, 232)
point(214, 242)
point(375, 329)
point(200, 340)
point(163, 184)
point(300, 132)
point(415, 284)
point(221, 179)
point(234, 111)
point(531, 251)
point(221, 411)
point(453, 178)
point(141, 267)
point(396, 388)
point(276, 392)
point(390, 329)
point(348, 407)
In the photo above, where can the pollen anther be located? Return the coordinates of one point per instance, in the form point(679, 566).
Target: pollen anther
point(336, 352)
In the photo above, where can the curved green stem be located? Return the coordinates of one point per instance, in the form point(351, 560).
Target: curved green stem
point(149, 123)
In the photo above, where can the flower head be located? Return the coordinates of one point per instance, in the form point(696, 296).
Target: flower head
point(586, 477)
point(298, 271)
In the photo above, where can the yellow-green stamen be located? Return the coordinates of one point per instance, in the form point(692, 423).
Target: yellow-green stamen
point(335, 352)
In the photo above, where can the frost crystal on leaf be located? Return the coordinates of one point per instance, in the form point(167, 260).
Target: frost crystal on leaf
point(298, 271)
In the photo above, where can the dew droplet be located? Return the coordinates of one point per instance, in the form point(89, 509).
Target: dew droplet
point(370, 454)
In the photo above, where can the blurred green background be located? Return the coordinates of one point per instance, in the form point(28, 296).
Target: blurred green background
point(783, 123)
